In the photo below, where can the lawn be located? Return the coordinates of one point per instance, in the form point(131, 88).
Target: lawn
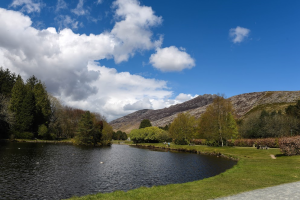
point(255, 169)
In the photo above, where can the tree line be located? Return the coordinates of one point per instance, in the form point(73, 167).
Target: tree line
point(218, 124)
point(28, 111)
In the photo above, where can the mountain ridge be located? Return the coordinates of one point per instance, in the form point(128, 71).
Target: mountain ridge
point(242, 103)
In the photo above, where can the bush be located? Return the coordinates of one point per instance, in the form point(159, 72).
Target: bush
point(23, 135)
point(199, 141)
point(213, 143)
point(290, 146)
point(181, 141)
point(270, 142)
point(148, 135)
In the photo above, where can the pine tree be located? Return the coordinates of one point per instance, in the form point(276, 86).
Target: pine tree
point(42, 105)
point(18, 94)
point(7, 81)
point(85, 130)
point(26, 115)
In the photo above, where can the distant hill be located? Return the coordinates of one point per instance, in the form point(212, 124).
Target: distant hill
point(243, 105)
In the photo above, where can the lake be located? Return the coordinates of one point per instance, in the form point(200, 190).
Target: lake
point(56, 171)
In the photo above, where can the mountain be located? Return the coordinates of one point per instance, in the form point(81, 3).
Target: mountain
point(243, 105)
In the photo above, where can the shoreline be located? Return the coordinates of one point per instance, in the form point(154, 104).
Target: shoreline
point(255, 169)
point(218, 154)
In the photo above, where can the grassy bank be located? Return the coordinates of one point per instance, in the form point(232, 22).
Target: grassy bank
point(255, 169)
point(65, 141)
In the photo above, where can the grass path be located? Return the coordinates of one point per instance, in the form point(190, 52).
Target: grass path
point(255, 169)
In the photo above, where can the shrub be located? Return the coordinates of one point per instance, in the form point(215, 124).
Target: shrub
point(270, 142)
point(23, 135)
point(181, 141)
point(290, 146)
point(199, 141)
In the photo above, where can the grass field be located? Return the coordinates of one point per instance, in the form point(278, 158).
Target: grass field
point(255, 169)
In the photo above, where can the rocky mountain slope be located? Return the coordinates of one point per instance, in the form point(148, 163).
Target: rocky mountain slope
point(242, 104)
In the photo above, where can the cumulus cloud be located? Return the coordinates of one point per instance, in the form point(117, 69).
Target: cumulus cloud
point(27, 5)
point(64, 60)
point(184, 97)
point(171, 59)
point(79, 10)
point(238, 34)
point(133, 31)
point(139, 105)
point(61, 4)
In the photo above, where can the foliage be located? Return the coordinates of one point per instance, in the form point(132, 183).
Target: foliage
point(293, 110)
point(119, 135)
point(269, 142)
point(145, 123)
point(217, 124)
point(149, 135)
point(290, 146)
point(107, 133)
point(181, 141)
point(7, 81)
point(199, 141)
point(42, 105)
point(85, 130)
point(6, 117)
point(23, 135)
point(183, 127)
point(91, 131)
point(166, 127)
point(264, 125)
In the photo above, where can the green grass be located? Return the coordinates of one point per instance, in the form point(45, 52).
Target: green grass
point(255, 169)
point(121, 142)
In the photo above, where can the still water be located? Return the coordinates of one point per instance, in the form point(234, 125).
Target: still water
point(56, 171)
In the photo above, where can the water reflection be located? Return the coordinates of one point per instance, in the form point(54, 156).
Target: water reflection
point(56, 171)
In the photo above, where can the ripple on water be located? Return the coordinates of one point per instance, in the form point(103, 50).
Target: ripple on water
point(56, 171)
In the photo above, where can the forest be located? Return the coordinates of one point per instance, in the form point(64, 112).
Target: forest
point(28, 111)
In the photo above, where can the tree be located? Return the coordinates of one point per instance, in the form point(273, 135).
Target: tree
point(182, 129)
point(6, 117)
point(26, 115)
point(7, 81)
point(42, 105)
point(106, 133)
point(217, 123)
point(18, 94)
point(145, 123)
point(84, 134)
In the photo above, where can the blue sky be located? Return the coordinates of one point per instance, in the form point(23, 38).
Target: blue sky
point(116, 57)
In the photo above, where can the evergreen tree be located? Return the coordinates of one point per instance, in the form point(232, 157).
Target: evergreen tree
point(42, 105)
point(7, 81)
point(145, 123)
point(26, 115)
point(18, 94)
point(85, 130)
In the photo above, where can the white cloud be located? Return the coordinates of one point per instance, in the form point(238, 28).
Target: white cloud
point(65, 60)
point(133, 31)
point(238, 34)
point(79, 10)
point(184, 97)
point(65, 21)
point(171, 59)
point(139, 105)
point(61, 4)
point(99, 1)
point(27, 5)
